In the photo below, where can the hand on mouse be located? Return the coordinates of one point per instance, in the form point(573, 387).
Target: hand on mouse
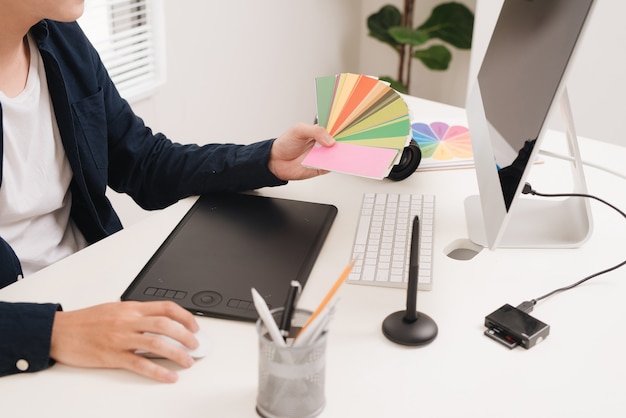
point(108, 335)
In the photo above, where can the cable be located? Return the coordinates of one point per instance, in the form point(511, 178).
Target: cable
point(562, 289)
point(587, 163)
point(527, 189)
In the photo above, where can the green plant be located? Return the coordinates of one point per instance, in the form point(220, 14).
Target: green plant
point(451, 23)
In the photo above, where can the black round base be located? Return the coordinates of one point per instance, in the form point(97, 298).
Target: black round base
point(409, 161)
point(419, 332)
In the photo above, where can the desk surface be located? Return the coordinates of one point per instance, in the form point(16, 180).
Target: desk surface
point(578, 371)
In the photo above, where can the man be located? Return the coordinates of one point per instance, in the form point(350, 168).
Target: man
point(66, 135)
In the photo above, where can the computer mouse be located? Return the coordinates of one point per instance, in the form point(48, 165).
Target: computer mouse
point(202, 351)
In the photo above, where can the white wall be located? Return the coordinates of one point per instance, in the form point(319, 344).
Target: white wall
point(240, 71)
point(595, 82)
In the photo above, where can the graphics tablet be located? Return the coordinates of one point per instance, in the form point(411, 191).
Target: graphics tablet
point(228, 243)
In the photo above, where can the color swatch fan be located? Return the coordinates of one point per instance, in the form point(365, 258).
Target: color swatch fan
point(369, 120)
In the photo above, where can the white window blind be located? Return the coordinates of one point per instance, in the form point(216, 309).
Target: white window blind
point(128, 35)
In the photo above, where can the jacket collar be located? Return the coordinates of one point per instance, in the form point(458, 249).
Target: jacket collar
point(40, 31)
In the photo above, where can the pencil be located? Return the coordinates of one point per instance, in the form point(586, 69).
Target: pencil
point(329, 296)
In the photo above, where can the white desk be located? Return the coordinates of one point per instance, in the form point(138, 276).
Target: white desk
point(578, 371)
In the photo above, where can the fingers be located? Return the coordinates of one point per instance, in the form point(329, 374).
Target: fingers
point(145, 367)
point(159, 346)
point(158, 329)
point(157, 335)
point(316, 132)
point(162, 325)
point(168, 310)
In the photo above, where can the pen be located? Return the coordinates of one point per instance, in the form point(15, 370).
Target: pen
point(266, 317)
point(290, 304)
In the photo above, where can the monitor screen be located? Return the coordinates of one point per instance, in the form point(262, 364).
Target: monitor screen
point(519, 83)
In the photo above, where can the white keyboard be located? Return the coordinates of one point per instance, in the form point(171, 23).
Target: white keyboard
point(383, 240)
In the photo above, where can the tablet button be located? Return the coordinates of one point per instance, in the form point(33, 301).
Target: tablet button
point(165, 293)
point(241, 304)
point(206, 299)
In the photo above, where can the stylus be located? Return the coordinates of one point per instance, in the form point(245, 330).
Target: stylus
point(290, 304)
point(411, 303)
point(329, 296)
point(318, 326)
point(266, 317)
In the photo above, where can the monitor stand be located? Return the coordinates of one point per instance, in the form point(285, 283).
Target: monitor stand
point(539, 222)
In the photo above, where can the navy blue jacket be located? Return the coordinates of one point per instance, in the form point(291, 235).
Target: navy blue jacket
point(107, 144)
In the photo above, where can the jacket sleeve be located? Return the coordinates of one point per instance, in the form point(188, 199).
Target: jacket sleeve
point(25, 332)
point(10, 267)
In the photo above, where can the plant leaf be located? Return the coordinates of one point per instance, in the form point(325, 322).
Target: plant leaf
point(451, 22)
point(379, 23)
point(437, 57)
point(408, 36)
point(394, 84)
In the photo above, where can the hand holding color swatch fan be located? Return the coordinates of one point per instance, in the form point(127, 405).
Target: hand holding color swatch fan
point(368, 119)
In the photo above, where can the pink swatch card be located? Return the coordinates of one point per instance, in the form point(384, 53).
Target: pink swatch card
point(352, 159)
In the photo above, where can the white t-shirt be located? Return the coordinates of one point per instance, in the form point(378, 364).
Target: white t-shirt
point(35, 199)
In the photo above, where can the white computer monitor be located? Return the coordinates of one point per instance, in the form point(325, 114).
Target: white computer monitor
point(521, 82)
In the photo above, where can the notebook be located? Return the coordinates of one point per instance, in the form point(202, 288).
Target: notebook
point(228, 243)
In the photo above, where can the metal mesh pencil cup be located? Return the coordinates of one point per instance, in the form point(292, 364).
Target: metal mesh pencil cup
point(291, 379)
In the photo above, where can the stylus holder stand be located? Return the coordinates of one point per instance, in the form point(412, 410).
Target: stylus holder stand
point(291, 379)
